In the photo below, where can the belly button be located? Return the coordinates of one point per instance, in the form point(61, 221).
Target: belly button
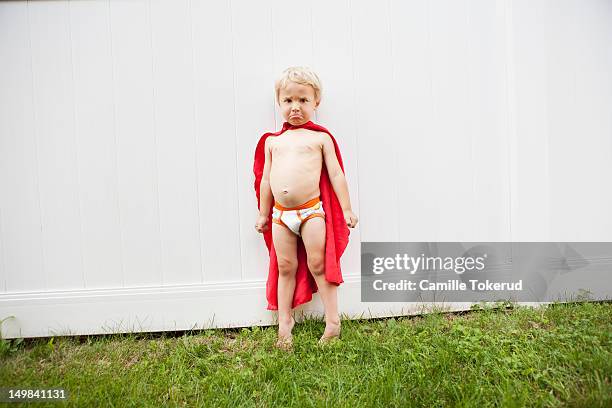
point(285, 192)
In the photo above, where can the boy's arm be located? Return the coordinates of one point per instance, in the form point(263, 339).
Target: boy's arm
point(337, 179)
point(265, 192)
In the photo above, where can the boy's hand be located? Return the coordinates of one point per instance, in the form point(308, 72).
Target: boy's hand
point(350, 218)
point(261, 225)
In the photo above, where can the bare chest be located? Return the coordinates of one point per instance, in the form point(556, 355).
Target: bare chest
point(292, 143)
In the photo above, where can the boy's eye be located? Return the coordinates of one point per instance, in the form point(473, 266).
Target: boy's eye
point(302, 100)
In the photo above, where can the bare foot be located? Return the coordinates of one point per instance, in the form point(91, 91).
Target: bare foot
point(285, 338)
point(332, 331)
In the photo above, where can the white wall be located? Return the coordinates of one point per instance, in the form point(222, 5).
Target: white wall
point(127, 131)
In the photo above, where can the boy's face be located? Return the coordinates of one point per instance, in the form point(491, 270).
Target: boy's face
point(297, 103)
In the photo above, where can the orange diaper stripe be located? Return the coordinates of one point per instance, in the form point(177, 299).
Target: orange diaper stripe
point(279, 222)
point(312, 216)
point(307, 204)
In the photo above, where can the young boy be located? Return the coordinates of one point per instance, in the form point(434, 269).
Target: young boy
point(298, 172)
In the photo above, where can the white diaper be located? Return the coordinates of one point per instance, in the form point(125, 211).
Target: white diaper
point(294, 217)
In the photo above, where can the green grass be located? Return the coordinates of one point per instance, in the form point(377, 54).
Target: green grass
point(511, 357)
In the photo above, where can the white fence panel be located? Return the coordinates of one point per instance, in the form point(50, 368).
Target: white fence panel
point(127, 133)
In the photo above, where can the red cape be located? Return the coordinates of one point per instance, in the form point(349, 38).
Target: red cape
point(335, 227)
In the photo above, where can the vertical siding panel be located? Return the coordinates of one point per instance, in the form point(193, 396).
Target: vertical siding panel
point(576, 39)
point(505, 126)
point(21, 263)
point(3, 274)
point(291, 39)
point(487, 108)
point(331, 30)
point(532, 153)
point(95, 129)
point(54, 110)
point(593, 120)
point(175, 131)
point(133, 90)
point(254, 96)
point(216, 137)
point(375, 129)
point(412, 101)
point(506, 24)
point(567, 191)
point(453, 155)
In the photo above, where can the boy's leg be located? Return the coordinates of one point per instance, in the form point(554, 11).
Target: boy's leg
point(285, 244)
point(313, 236)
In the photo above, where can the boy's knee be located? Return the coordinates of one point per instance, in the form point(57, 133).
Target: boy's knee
point(287, 266)
point(316, 264)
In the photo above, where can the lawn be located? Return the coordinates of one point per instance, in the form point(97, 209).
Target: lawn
point(508, 356)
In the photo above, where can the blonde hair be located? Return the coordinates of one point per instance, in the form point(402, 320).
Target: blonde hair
point(302, 76)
